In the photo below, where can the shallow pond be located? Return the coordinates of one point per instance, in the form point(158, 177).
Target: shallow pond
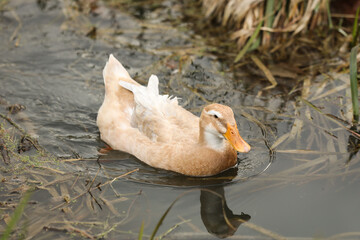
point(301, 179)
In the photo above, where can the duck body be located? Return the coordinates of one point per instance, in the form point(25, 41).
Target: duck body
point(162, 134)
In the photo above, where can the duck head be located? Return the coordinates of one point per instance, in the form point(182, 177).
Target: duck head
point(217, 124)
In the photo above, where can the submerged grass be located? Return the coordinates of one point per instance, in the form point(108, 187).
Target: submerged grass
point(15, 143)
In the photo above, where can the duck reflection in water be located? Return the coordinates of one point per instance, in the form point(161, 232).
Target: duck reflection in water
point(218, 219)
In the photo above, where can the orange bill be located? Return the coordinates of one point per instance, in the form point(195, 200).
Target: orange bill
point(233, 136)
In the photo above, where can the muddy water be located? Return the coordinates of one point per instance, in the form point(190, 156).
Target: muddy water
point(51, 62)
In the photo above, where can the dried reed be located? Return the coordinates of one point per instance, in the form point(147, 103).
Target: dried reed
point(278, 16)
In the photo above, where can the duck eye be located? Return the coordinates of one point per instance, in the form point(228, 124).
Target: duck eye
point(215, 116)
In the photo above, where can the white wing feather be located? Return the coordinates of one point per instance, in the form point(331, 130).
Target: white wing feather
point(148, 98)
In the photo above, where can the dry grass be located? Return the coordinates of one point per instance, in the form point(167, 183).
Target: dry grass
point(279, 16)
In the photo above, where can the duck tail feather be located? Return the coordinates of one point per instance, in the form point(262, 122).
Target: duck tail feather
point(114, 71)
point(153, 85)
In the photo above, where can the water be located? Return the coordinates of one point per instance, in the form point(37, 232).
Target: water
point(51, 64)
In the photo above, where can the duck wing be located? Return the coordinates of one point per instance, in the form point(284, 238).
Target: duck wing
point(159, 117)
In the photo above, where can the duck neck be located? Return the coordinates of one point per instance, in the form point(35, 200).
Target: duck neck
point(211, 139)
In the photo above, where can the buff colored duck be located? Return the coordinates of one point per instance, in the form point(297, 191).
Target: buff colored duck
point(162, 134)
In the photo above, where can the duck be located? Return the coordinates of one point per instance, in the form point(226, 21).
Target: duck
point(159, 132)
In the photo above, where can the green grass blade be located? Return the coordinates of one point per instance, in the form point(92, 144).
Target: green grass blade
point(269, 13)
point(329, 15)
point(16, 216)
point(355, 31)
point(255, 44)
point(141, 231)
point(249, 42)
point(166, 212)
point(354, 83)
point(162, 219)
